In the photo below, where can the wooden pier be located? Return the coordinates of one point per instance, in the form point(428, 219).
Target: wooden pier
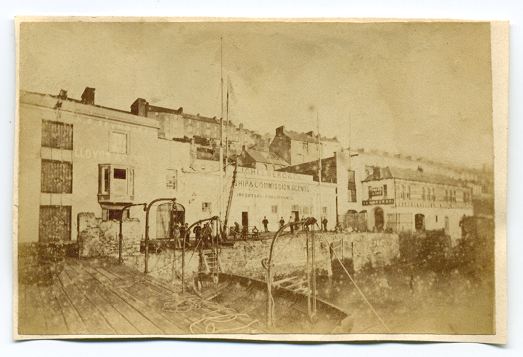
point(99, 297)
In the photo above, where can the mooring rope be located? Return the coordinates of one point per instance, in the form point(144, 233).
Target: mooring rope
point(358, 288)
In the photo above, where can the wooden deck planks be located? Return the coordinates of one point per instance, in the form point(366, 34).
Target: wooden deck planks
point(34, 322)
point(156, 317)
point(99, 298)
point(53, 315)
point(77, 293)
point(97, 295)
point(73, 320)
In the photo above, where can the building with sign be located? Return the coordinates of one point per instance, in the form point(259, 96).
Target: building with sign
point(412, 200)
point(75, 156)
point(370, 194)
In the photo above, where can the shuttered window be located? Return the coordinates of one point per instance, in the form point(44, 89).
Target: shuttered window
point(55, 223)
point(56, 176)
point(57, 135)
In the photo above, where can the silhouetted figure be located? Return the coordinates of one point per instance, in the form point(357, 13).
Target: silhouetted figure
point(265, 223)
point(282, 222)
point(197, 233)
point(324, 224)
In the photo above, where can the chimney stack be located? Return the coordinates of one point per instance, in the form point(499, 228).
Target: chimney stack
point(140, 107)
point(376, 173)
point(88, 96)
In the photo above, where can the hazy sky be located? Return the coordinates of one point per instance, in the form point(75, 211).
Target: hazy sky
point(420, 88)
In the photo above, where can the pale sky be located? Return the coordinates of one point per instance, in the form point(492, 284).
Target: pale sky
point(422, 89)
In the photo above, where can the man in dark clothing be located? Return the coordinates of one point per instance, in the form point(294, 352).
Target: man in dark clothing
point(186, 233)
point(207, 235)
point(324, 223)
point(292, 225)
point(197, 232)
point(265, 224)
point(282, 222)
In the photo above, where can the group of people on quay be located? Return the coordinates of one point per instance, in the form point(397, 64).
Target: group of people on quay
point(206, 233)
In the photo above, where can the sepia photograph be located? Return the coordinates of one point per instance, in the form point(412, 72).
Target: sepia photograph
point(300, 180)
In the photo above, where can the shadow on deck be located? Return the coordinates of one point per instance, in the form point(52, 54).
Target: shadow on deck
point(99, 297)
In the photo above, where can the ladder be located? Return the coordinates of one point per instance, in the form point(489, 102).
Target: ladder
point(211, 262)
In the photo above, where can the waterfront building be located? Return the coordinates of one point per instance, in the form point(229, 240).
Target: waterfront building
point(355, 171)
point(91, 158)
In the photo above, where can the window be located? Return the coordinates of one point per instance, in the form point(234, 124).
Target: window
point(54, 223)
point(120, 174)
point(423, 193)
point(324, 210)
point(402, 193)
point(408, 192)
point(384, 190)
point(274, 209)
point(118, 142)
point(114, 214)
point(115, 184)
point(57, 135)
point(206, 207)
point(172, 179)
point(306, 146)
point(56, 177)
point(351, 186)
point(105, 180)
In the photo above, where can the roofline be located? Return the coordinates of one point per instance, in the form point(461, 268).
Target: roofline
point(70, 105)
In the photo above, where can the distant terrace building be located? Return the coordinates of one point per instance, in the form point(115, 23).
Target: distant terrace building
point(352, 171)
point(412, 200)
point(175, 123)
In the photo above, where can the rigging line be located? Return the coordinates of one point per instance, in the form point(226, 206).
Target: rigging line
point(359, 290)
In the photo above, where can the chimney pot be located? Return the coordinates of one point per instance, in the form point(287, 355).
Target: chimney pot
point(88, 96)
point(140, 107)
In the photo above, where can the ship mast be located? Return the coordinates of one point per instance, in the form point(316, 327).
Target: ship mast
point(221, 166)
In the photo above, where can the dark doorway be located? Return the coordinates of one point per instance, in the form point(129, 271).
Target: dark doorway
point(296, 215)
point(245, 219)
point(419, 222)
point(178, 217)
point(379, 220)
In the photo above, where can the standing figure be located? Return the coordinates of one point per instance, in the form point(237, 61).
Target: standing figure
point(282, 222)
point(292, 225)
point(265, 223)
point(197, 233)
point(324, 224)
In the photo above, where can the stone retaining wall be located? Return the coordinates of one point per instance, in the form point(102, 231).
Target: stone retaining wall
point(365, 249)
point(97, 238)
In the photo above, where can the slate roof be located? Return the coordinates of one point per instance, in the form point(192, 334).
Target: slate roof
point(294, 135)
point(412, 175)
point(266, 157)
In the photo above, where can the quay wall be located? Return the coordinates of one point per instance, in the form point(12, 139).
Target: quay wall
point(244, 258)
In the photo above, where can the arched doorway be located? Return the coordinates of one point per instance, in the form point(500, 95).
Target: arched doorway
point(362, 221)
point(166, 218)
point(351, 220)
point(419, 221)
point(379, 220)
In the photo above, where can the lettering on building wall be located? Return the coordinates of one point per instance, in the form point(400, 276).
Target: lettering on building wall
point(385, 201)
